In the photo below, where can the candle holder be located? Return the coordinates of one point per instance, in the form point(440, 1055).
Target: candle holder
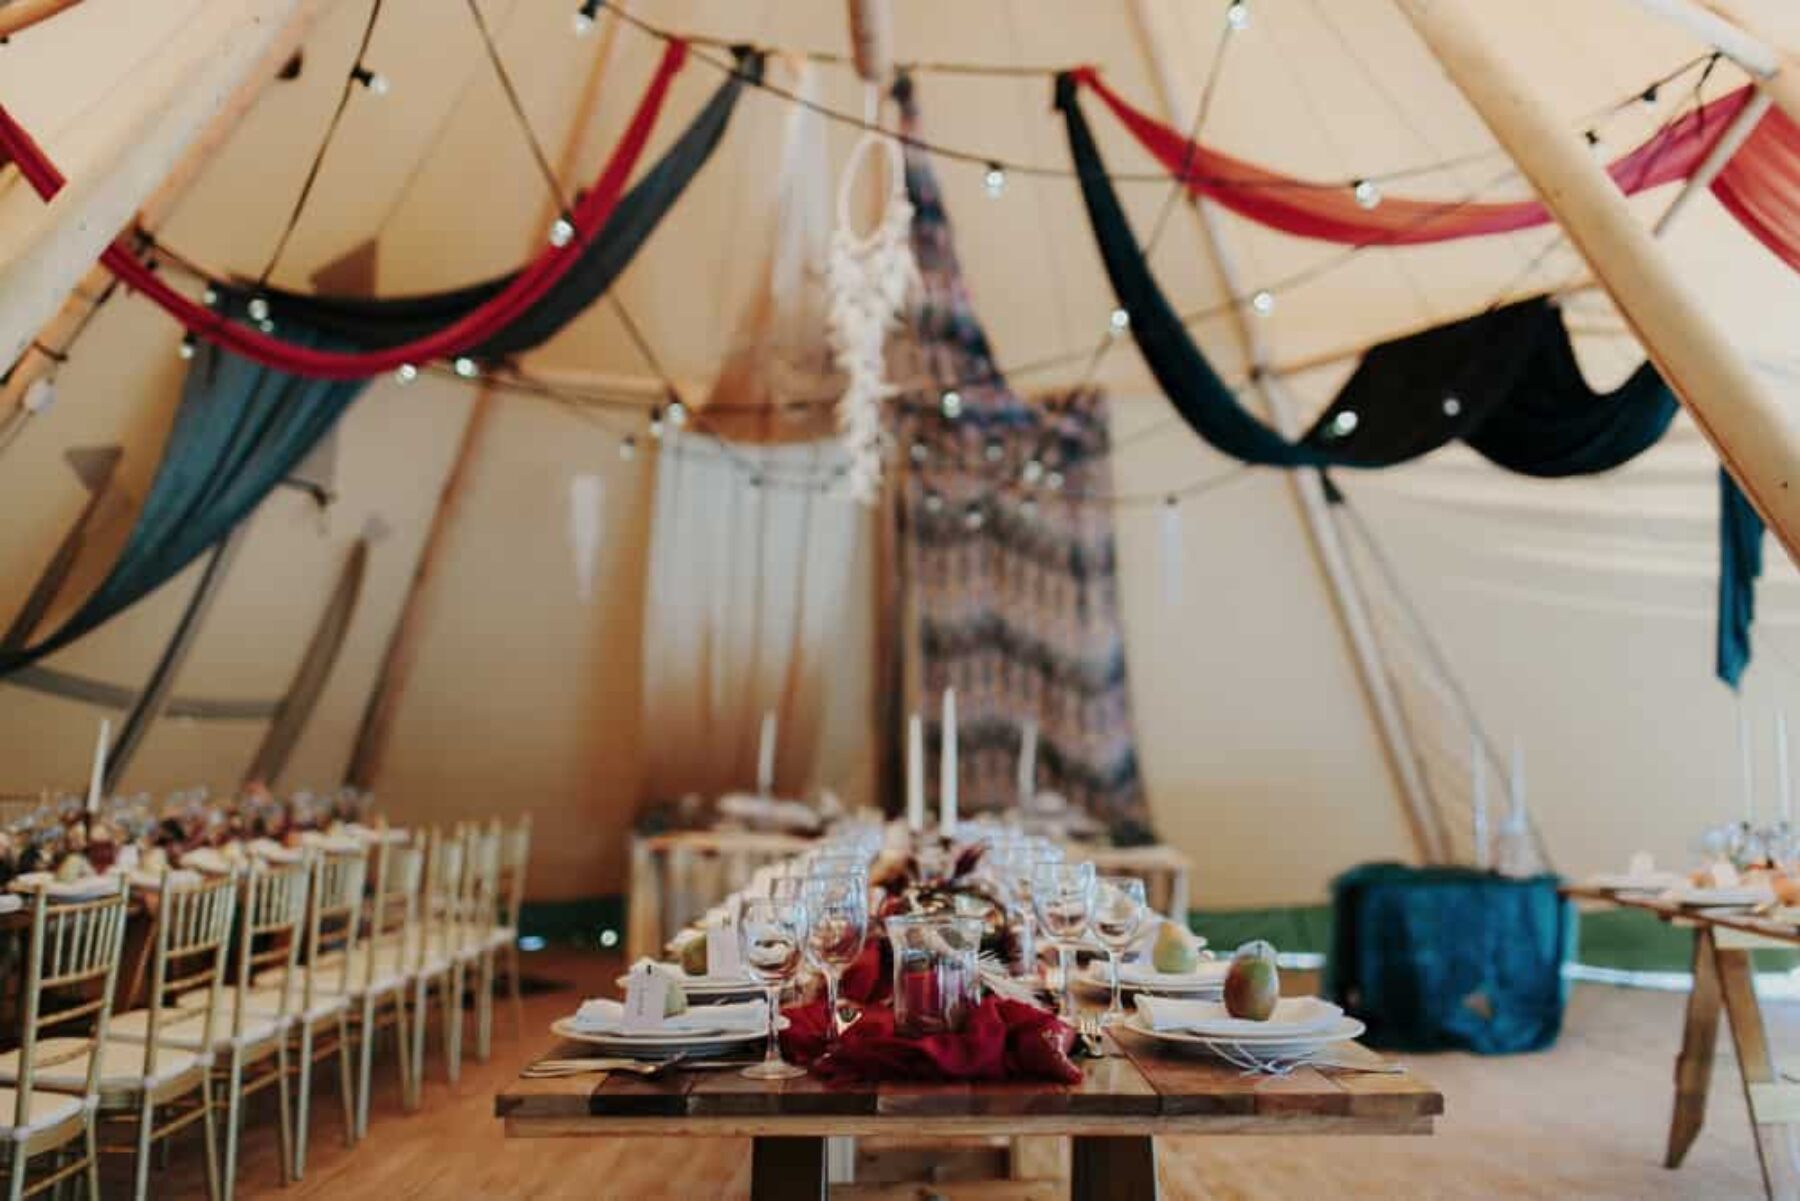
point(935, 974)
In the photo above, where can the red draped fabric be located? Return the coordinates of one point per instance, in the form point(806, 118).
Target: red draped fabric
point(526, 288)
point(1760, 185)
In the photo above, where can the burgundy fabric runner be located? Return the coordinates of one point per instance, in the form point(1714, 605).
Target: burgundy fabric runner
point(590, 214)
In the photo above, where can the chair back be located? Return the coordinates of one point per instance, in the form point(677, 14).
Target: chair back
point(71, 968)
point(272, 925)
point(187, 952)
point(333, 922)
point(515, 854)
point(394, 906)
point(443, 911)
point(483, 892)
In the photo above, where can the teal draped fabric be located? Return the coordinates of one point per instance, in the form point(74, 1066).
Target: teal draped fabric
point(1450, 958)
point(1740, 563)
point(238, 432)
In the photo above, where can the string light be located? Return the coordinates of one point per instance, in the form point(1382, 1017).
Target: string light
point(374, 81)
point(677, 414)
point(188, 348)
point(973, 517)
point(993, 452)
point(585, 17)
point(918, 452)
point(210, 297)
point(628, 447)
point(951, 403)
point(40, 394)
point(1343, 424)
point(933, 502)
point(1263, 302)
point(466, 367)
point(1452, 406)
point(562, 232)
point(656, 422)
point(1118, 322)
point(1367, 194)
point(406, 373)
point(258, 308)
point(1054, 481)
point(1237, 15)
point(1029, 506)
point(994, 181)
point(1032, 472)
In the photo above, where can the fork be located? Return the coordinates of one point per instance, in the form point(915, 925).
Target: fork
point(546, 1068)
point(1087, 1026)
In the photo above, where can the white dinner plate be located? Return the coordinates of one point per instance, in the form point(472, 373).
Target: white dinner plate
point(657, 1045)
point(1626, 882)
point(1714, 898)
point(1205, 981)
point(705, 986)
point(1344, 1030)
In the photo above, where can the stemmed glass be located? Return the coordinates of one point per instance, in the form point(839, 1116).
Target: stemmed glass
point(771, 934)
point(1118, 915)
point(837, 924)
point(1063, 896)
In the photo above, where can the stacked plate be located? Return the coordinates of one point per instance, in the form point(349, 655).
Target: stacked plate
point(1205, 981)
point(706, 990)
point(710, 1031)
point(1635, 881)
point(1299, 1029)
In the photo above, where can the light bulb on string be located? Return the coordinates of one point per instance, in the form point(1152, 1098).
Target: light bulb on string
point(1118, 322)
point(1592, 138)
point(374, 81)
point(188, 347)
point(562, 232)
point(466, 367)
point(951, 403)
point(656, 422)
point(1032, 472)
point(994, 181)
point(406, 373)
point(918, 452)
point(973, 517)
point(210, 296)
point(1367, 194)
point(40, 394)
point(1029, 506)
point(933, 502)
point(258, 308)
point(1263, 302)
point(677, 414)
point(1237, 15)
point(993, 452)
point(1054, 481)
point(585, 16)
point(628, 447)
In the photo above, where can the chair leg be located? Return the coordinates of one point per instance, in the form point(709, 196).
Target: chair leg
point(140, 1185)
point(345, 1079)
point(303, 1109)
point(484, 1006)
point(515, 986)
point(421, 1001)
point(403, 1050)
point(365, 1055)
point(17, 1164)
point(91, 1136)
point(209, 1124)
point(234, 1120)
point(287, 1118)
point(452, 997)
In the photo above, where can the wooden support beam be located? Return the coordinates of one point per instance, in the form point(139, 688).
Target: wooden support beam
point(21, 15)
point(1430, 842)
point(1784, 82)
point(1755, 55)
point(1757, 441)
point(192, 93)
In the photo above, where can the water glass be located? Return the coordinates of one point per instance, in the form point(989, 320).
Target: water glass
point(1117, 918)
point(772, 935)
point(837, 925)
point(1062, 895)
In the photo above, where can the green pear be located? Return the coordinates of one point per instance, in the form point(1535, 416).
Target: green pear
point(693, 956)
point(1173, 952)
point(1253, 983)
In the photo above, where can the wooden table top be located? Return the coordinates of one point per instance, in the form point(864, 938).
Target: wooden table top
point(1139, 1088)
point(1743, 921)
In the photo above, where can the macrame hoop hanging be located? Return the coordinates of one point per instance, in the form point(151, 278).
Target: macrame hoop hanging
point(869, 278)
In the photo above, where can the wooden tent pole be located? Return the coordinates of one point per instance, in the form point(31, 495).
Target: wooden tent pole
point(80, 301)
point(23, 14)
point(1430, 842)
point(1783, 82)
point(403, 645)
point(1755, 439)
point(1741, 45)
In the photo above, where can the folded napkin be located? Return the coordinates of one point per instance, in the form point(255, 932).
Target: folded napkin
point(741, 1017)
point(1001, 1040)
point(178, 878)
point(84, 889)
point(270, 851)
point(210, 860)
point(1210, 973)
point(1298, 1016)
point(334, 843)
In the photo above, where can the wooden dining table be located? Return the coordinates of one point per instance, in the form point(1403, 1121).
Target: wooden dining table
point(1138, 1091)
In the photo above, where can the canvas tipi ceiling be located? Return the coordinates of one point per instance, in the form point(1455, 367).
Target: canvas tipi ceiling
point(1576, 615)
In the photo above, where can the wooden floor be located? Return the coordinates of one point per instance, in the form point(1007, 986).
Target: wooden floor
point(1586, 1119)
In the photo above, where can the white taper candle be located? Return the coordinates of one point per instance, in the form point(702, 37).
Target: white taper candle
point(765, 756)
point(947, 768)
point(97, 778)
point(915, 774)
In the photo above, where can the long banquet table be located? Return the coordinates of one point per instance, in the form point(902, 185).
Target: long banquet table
point(1724, 981)
point(1137, 1092)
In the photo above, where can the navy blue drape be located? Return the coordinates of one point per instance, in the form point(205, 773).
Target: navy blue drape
point(1740, 563)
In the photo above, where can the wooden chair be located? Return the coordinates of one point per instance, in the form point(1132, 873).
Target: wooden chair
point(515, 855)
point(249, 1026)
point(478, 946)
point(137, 1077)
point(377, 988)
point(71, 968)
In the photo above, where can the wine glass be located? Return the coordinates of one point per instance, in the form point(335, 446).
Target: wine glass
point(1062, 894)
point(837, 924)
point(771, 934)
point(1118, 915)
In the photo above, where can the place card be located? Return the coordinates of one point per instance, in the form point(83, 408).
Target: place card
point(646, 994)
point(724, 957)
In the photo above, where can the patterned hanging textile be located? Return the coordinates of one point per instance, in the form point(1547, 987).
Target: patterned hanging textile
point(1010, 568)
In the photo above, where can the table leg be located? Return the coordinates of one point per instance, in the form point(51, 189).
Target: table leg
point(1113, 1169)
point(1774, 1133)
point(788, 1169)
point(1693, 1069)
